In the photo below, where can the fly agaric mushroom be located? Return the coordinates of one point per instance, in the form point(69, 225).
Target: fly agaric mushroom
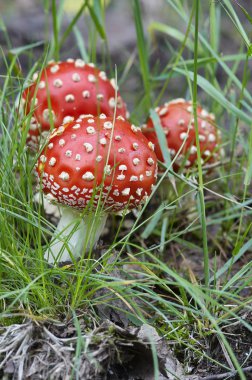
point(65, 90)
point(177, 121)
point(91, 161)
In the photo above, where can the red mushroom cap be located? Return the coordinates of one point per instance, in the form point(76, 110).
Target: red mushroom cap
point(90, 158)
point(175, 118)
point(74, 88)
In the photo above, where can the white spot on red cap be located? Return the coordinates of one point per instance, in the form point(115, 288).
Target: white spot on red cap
point(58, 83)
point(207, 153)
point(107, 170)
point(204, 113)
point(211, 137)
point(111, 102)
point(89, 147)
point(62, 142)
point(76, 126)
point(91, 78)
point(126, 191)
point(54, 69)
point(116, 192)
point(122, 167)
point(86, 94)
point(88, 176)
point(85, 116)
point(68, 119)
point(121, 150)
point(139, 191)
point(79, 63)
point(133, 178)
point(90, 130)
point(52, 161)
point(181, 122)
point(98, 158)
point(64, 176)
point(46, 114)
point(193, 149)
point(136, 161)
point(34, 127)
point(120, 177)
point(68, 153)
point(176, 101)
point(151, 145)
point(118, 138)
point(150, 161)
point(134, 128)
point(76, 77)
point(35, 76)
point(60, 130)
point(202, 138)
point(43, 158)
point(113, 83)
point(103, 75)
point(103, 141)
point(108, 125)
point(183, 135)
point(135, 146)
point(41, 84)
point(69, 98)
point(100, 97)
point(163, 111)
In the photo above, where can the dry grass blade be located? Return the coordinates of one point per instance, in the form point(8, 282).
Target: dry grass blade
point(32, 350)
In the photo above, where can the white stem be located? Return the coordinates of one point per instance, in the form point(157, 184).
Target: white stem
point(69, 237)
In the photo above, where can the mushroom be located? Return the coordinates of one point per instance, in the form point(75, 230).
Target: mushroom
point(65, 90)
point(177, 121)
point(92, 162)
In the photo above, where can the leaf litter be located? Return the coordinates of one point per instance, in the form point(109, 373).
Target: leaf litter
point(44, 350)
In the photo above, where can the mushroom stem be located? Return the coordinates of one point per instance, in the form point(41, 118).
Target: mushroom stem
point(70, 238)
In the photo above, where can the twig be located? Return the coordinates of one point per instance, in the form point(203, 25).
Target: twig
point(224, 375)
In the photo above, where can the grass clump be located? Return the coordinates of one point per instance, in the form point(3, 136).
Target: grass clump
point(183, 263)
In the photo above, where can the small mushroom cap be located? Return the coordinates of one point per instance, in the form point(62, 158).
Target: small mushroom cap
point(175, 118)
point(92, 160)
point(74, 88)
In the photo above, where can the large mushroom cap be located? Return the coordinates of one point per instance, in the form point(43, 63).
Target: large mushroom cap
point(90, 160)
point(176, 118)
point(68, 89)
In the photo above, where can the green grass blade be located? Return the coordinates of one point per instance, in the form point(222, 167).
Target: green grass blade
point(218, 96)
point(72, 24)
point(142, 51)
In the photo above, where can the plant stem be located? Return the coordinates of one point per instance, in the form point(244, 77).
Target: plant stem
point(72, 236)
point(201, 183)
